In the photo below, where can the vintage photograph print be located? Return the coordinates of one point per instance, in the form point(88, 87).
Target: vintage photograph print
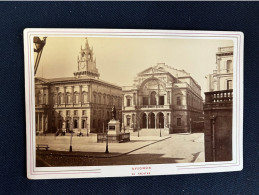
point(108, 103)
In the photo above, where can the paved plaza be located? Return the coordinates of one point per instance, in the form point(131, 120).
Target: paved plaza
point(146, 149)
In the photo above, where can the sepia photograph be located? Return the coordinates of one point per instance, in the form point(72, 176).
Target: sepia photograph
point(141, 99)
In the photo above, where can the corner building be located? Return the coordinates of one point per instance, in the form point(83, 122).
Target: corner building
point(222, 77)
point(162, 97)
point(81, 103)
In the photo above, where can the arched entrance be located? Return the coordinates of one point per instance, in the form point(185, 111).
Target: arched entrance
point(153, 98)
point(151, 120)
point(161, 119)
point(144, 121)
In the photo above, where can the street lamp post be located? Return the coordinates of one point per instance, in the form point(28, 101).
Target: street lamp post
point(71, 135)
point(107, 146)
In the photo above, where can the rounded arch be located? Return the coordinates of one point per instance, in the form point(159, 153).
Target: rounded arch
point(153, 98)
point(143, 123)
point(152, 80)
point(151, 120)
point(160, 120)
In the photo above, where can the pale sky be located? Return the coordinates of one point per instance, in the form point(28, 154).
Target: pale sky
point(119, 60)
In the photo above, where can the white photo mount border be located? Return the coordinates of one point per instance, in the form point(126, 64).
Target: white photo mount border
point(236, 164)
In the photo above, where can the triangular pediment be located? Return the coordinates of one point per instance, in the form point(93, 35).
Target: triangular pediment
point(151, 71)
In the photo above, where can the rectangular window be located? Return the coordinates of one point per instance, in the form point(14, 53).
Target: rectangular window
point(59, 99)
point(179, 122)
point(44, 99)
point(128, 102)
point(84, 112)
point(68, 112)
point(75, 112)
point(179, 101)
point(128, 121)
point(161, 100)
point(229, 84)
point(145, 100)
point(75, 124)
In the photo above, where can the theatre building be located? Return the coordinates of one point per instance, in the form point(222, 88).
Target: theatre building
point(82, 102)
point(162, 97)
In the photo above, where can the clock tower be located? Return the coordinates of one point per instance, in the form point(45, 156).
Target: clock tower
point(86, 65)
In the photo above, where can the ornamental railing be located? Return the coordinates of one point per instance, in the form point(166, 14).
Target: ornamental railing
point(223, 96)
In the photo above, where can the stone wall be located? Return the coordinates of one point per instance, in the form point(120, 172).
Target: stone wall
point(218, 126)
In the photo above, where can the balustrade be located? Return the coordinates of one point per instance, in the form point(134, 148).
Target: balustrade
point(219, 96)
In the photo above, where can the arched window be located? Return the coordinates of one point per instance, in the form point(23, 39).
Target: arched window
point(104, 99)
point(99, 99)
point(44, 99)
point(76, 98)
point(95, 101)
point(40, 99)
point(59, 99)
point(229, 66)
point(153, 98)
point(68, 99)
point(83, 124)
point(84, 98)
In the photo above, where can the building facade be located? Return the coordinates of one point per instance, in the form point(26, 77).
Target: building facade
point(162, 97)
point(81, 103)
point(218, 108)
point(222, 77)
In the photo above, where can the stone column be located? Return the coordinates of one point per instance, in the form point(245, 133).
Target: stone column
point(147, 119)
point(155, 119)
point(80, 95)
point(79, 123)
point(47, 96)
point(168, 97)
point(57, 96)
point(42, 121)
point(65, 95)
point(90, 94)
point(72, 95)
point(169, 119)
point(46, 123)
point(165, 115)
